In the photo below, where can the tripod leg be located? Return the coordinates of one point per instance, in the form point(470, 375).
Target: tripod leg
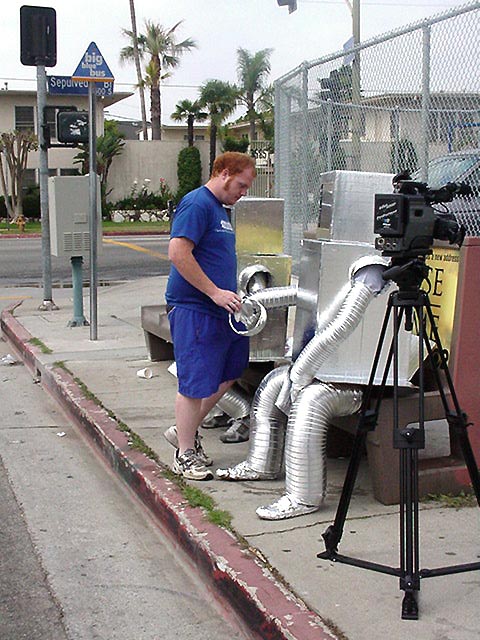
point(334, 532)
point(409, 532)
point(367, 422)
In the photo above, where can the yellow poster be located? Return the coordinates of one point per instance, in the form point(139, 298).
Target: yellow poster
point(441, 287)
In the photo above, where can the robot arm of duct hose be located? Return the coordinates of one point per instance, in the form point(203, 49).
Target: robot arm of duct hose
point(366, 282)
point(254, 283)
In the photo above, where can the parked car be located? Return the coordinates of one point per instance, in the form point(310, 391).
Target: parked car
point(460, 166)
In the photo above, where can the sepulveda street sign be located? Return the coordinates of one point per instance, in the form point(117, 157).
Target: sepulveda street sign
point(92, 67)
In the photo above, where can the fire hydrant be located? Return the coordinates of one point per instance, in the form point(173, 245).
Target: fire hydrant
point(20, 222)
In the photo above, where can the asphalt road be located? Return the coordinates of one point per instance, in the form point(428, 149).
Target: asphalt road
point(80, 557)
point(120, 258)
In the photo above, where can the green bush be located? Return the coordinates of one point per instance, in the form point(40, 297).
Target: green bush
point(189, 171)
point(235, 144)
point(31, 204)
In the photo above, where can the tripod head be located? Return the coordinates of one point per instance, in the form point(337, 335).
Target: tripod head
point(407, 273)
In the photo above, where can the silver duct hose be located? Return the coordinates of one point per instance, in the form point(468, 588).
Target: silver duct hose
point(305, 448)
point(235, 402)
point(267, 434)
point(276, 297)
point(267, 425)
point(253, 312)
point(324, 343)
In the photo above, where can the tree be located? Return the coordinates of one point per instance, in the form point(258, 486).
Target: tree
point(189, 170)
point(253, 70)
point(189, 111)
point(136, 57)
point(220, 98)
point(14, 149)
point(108, 146)
point(163, 51)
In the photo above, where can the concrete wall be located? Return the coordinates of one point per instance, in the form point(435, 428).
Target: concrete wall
point(153, 159)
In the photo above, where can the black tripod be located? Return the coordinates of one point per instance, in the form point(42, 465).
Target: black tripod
point(411, 303)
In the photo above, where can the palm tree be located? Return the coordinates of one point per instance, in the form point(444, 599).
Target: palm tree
point(220, 98)
point(253, 70)
point(160, 46)
point(136, 57)
point(189, 111)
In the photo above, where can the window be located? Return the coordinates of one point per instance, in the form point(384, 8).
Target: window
point(199, 137)
point(69, 172)
point(24, 119)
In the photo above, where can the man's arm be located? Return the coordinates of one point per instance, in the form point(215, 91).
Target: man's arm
point(180, 254)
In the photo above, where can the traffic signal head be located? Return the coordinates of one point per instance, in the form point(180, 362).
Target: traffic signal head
point(72, 127)
point(38, 36)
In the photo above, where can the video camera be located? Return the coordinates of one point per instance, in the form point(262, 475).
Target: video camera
point(407, 221)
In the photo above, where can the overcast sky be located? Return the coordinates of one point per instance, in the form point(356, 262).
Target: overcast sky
point(219, 27)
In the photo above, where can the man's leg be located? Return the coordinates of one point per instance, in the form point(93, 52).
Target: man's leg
point(189, 413)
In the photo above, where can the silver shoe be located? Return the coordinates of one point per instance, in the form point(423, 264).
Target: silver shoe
point(243, 471)
point(285, 507)
point(237, 431)
point(170, 436)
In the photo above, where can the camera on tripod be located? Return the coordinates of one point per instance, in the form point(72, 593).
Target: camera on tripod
point(407, 221)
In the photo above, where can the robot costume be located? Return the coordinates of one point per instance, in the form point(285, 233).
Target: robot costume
point(292, 410)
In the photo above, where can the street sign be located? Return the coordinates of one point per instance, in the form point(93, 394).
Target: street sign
point(65, 85)
point(92, 67)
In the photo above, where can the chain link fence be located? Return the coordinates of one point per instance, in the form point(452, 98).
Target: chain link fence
point(393, 103)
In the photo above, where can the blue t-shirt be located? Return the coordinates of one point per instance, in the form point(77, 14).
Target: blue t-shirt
point(201, 218)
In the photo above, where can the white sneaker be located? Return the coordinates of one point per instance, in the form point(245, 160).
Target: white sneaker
point(171, 436)
point(285, 507)
point(242, 471)
point(190, 467)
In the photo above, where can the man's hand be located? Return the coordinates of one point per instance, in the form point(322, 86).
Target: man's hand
point(228, 300)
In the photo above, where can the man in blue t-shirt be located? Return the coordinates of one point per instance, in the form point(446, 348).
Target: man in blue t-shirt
point(201, 293)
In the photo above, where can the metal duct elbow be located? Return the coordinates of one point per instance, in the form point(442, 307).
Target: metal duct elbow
point(275, 297)
point(324, 343)
point(235, 402)
point(267, 425)
point(305, 449)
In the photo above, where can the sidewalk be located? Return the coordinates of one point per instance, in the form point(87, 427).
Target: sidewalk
point(270, 574)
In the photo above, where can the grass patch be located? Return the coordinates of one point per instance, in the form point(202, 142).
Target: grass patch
point(451, 501)
point(107, 225)
point(41, 345)
point(194, 496)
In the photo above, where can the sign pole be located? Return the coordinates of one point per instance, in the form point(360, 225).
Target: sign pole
point(93, 219)
point(47, 304)
point(92, 68)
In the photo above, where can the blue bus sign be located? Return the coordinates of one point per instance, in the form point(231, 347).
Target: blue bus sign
point(92, 67)
point(65, 85)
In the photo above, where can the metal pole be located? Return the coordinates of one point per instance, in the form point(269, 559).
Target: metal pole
point(425, 103)
point(77, 284)
point(47, 304)
point(356, 91)
point(93, 222)
point(329, 135)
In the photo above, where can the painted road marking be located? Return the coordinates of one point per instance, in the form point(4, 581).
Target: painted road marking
point(136, 247)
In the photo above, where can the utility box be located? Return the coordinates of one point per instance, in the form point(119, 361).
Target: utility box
point(69, 207)
point(258, 226)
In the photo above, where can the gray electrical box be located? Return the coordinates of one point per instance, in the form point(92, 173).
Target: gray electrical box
point(69, 206)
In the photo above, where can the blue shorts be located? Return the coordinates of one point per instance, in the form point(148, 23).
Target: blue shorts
point(207, 352)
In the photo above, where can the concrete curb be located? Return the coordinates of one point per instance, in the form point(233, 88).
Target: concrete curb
point(235, 573)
